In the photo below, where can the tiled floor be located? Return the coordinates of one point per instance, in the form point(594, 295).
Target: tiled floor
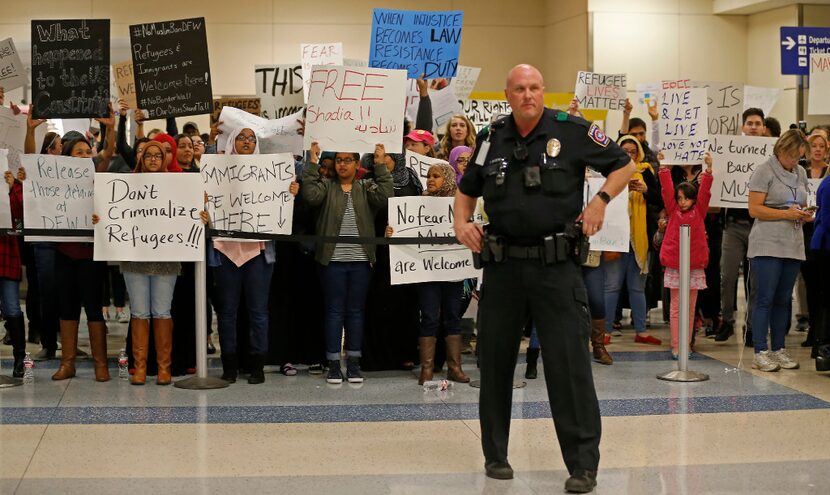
point(740, 432)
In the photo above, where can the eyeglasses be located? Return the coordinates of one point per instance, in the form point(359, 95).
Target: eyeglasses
point(152, 157)
point(462, 160)
point(202, 143)
point(242, 139)
point(348, 160)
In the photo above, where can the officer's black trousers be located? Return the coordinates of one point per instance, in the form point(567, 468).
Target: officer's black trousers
point(555, 298)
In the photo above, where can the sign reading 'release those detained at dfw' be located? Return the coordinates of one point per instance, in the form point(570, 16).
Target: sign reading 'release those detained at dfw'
point(734, 159)
point(354, 108)
point(426, 217)
point(148, 217)
point(249, 193)
point(422, 43)
point(171, 67)
point(683, 130)
point(70, 68)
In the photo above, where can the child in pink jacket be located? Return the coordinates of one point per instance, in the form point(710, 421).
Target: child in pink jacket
point(685, 206)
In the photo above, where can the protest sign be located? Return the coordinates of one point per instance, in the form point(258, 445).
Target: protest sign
point(648, 93)
point(763, 98)
point(354, 108)
point(734, 159)
point(12, 72)
point(602, 91)
point(725, 106)
point(444, 105)
point(420, 165)
point(464, 81)
point(615, 234)
point(355, 62)
point(683, 126)
point(280, 89)
point(149, 217)
point(125, 82)
point(57, 193)
point(819, 101)
point(5, 204)
point(70, 68)
point(812, 189)
point(426, 217)
point(249, 193)
point(312, 54)
point(250, 104)
point(422, 43)
point(413, 99)
point(171, 68)
point(13, 135)
point(482, 112)
point(274, 136)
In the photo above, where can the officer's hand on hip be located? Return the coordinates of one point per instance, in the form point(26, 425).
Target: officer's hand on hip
point(593, 216)
point(469, 234)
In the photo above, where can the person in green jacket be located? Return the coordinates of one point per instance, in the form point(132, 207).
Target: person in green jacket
point(347, 209)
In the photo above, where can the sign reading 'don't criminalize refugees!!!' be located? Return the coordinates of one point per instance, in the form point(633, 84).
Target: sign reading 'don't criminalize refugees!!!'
point(423, 43)
point(70, 68)
point(426, 217)
point(171, 67)
point(149, 217)
point(12, 73)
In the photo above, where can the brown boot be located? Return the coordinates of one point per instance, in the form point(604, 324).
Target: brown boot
point(163, 333)
point(426, 347)
point(69, 346)
point(141, 339)
point(98, 343)
point(597, 335)
point(454, 372)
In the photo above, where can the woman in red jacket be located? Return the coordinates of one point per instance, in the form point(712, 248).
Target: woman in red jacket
point(685, 206)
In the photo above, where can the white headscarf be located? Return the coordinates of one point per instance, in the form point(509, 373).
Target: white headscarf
point(230, 148)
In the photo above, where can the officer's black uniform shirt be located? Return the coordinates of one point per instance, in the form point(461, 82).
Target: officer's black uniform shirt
point(527, 215)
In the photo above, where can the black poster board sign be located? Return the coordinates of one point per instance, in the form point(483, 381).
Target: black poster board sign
point(171, 68)
point(70, 68)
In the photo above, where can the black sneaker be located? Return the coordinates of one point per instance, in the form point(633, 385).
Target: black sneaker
point(335, 374)
point(581, 481)
point(498, 470)
point(353, 370)
point(315, 369)
point(726, 331)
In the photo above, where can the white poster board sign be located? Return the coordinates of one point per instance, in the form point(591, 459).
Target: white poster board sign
point(249, 193)
point(812, 189)
point(5, 204)
point(427, 217)
point(57, 194)
point(280, 89)
point(464, 81)
point(482, 112)
point(149, 217)
point(763, 98)
point(13, 134)
point(351, 109)
point(312, 54)
point(601, 91)
point(420, 165)
point(734, 159)
point(12, 72)
point(615, 234)
point(683, 127)
point(819, 101)
point(648, 94)
point(274, 136)
point(444, 105)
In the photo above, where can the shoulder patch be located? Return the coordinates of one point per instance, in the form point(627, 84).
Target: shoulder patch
point(597, 136)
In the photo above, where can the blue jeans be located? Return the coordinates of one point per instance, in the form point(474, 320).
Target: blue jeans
point(440, 302)
point(595, 285)
point(626, 269)
point(534, 339)
point(254, 277)
point(10, 297)
point(345, 286)
point(44, 253)
point(773, 281)
point(150, 295)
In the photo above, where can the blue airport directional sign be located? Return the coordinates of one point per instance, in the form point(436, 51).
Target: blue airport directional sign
point(796, 45)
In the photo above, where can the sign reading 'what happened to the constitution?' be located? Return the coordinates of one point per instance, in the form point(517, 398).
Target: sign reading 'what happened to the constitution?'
point(149, 217)
point(70, 68)
point(426, 217)
point(249, 193)
point(422, 43)
point(171, 67)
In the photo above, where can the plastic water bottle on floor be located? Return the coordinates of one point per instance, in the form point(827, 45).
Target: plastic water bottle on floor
point(123, 365)
point(437, 385)
point(28, 369)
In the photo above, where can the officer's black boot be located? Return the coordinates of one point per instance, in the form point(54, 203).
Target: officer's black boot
point(230, 367)
point(532, 357)
point(581, 481)
point(726, 331)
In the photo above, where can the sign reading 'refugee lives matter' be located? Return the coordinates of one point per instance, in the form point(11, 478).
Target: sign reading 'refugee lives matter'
point(70, 68)
point(601, 91)
point(249, 193)
point(148, 217)
point(421, 42)
point(354, 108)
point(171, 67)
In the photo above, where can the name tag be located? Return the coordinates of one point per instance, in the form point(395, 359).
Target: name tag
point(482, 153)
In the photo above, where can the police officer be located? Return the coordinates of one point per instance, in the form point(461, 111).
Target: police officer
point(530, 170)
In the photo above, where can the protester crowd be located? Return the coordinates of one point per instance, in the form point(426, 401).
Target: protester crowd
point(288, 303)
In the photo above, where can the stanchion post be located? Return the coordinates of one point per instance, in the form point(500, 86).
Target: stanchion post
point(682, 373)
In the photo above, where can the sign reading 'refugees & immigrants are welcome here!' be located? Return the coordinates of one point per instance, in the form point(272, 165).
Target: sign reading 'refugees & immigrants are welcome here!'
point(70, 68)
point(172, 72)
